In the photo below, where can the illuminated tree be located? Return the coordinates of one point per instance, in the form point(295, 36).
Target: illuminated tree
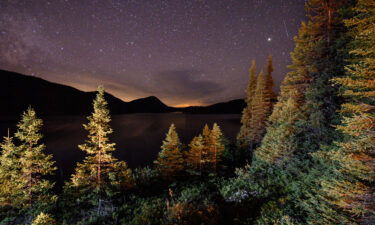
point(10, 172)
point(353, 189)
point(260, 99)
point(301, 122)
point(100, 174)
point(212, 147)
point(243, 137)
point(35, 164)
point(194, 155)
point(215, 146)
point(170, 159)
point(261, 109)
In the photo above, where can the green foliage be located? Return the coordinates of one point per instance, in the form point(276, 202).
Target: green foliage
point(149, 211)
point(43, 219)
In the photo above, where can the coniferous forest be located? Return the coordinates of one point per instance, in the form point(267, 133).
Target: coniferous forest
point(303, 156)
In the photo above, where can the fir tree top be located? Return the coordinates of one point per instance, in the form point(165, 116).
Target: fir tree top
point(28, 127)
point(98, 127)
point(171, 140)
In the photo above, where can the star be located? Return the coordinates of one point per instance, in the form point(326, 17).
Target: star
point(170, 41)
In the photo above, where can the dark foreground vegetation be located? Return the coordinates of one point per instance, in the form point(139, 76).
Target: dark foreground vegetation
point(305, 157)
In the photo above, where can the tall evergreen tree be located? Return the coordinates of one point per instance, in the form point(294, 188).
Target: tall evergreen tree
point(260, 100)
point(194, 155)
point(243, 137)
point(352, 190)
point(10, 172)
point(100, 174)
point(35, 164)
point(328, 61)
point(261, 109)
point(318, 56)
point(215, 146)
point(301, 120)
point(206, 134)
point(170, 159)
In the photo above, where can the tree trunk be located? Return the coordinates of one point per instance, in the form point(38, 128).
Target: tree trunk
point(99, 159)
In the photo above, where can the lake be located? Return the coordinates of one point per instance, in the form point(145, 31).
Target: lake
point(138, 137)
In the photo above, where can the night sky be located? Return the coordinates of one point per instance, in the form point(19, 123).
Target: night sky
point(185, 52)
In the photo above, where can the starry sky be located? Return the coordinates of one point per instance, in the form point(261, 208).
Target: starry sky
point(185, 52)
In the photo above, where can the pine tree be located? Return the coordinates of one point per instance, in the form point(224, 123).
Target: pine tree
point(261, 109)
point(194, 155)
point(10, 172)
point(35, 164)
point(100, 174)
point(216, 146)
point(170, 159)
point(210, 145)
point(352, 190)
point(243, 137)
point(206, 138)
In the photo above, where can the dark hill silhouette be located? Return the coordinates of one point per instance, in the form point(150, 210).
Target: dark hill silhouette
point(18, 91)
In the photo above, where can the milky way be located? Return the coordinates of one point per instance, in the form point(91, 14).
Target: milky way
point(184, 52)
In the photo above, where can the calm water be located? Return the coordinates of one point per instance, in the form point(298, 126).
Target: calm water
point(138, 137)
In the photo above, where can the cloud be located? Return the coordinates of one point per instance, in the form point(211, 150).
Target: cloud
point(184, 85)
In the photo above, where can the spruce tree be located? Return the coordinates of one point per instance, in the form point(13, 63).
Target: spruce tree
point(170, 159)
point(100, 175)
point(206, 133)
point(352, 189)
point(215, 146)
point(35, 164)
point(243, 137)
point(194, 155)
point(261, 109)
point(10, 172)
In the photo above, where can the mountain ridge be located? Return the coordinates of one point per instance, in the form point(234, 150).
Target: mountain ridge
point(19, 91)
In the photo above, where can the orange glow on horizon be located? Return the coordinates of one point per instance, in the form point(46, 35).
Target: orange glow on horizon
point(187, 105)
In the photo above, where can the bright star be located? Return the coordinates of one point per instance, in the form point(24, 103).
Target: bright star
point(269, 39)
